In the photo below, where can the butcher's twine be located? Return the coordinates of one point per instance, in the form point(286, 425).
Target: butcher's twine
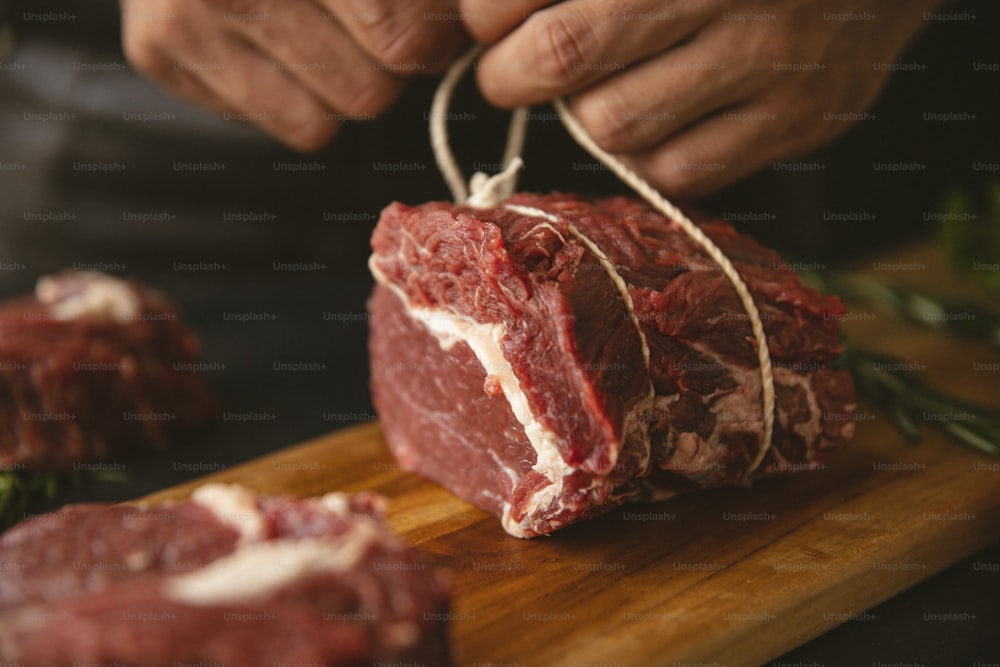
point(489, 191)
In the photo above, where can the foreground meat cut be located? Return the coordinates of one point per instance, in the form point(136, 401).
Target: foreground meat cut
point(226, 578)
point(91, 365)
point(555, 356)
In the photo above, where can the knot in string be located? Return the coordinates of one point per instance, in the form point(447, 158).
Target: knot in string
point(483, 191)
point(489, 191)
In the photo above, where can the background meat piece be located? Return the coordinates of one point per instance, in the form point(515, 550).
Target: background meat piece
point(555, 356)
point(224, 578)
point(93, 365)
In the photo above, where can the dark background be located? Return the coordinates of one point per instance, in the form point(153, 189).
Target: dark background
point(326, 217)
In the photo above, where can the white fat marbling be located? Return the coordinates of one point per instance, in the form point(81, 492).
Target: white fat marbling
point(484, 340)
point(100, 296)
point(234, 506)
point(261, 569)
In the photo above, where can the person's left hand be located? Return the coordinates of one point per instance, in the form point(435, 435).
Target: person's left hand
point(695, 95)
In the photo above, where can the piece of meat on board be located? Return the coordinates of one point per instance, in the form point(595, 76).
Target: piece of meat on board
point(90, 366)
point(224, 578)
point(555, 356)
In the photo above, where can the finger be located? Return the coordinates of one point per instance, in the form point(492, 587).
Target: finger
point(249, 83)
point(720, 150)
point(146, 57)
point(568, 46)
point(645, 104)
point(184, 83)
point(307, 46)
point(201, 58)
point(408, 37)
point(489, 20)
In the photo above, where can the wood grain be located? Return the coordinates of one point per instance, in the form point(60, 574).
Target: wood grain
point(730, 576)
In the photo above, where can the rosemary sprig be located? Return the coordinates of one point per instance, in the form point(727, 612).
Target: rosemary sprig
point(970, 233)
point(950, 315)
point(909, 401)
point(23, 491)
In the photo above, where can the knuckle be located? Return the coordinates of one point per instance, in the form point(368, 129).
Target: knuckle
point(680, 177)
point(800, 116)
point(172, 28)
point(692, 186)
point(145, 44)
point(143, 56)
point(236, 7)
point(368, 98)
point(310, 135)
point(769, 44)
point(401, 45)
point(678, 183)
point(479, 18)
point(493, 93)
point(393, 37)
point(608, 120)
point(223, 10)
point(564, 44)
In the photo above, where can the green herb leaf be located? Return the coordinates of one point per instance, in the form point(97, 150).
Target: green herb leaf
point(971, 234)
point(909, 402)
point(959, 316)
point(23, 491)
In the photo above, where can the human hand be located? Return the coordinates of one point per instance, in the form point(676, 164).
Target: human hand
point(296, 68)
point(695, 95)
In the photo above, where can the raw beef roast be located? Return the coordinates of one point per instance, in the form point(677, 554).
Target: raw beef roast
point(91, 365)
point(225, 578)
point(555, 356)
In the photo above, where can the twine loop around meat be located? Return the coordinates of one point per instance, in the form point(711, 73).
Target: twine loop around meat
point(486, 191)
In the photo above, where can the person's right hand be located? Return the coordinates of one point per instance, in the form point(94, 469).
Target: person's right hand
point(296, 68)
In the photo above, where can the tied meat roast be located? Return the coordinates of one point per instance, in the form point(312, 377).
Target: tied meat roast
point(556, 356)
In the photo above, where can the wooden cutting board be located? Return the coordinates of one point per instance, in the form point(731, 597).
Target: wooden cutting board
point(729, 576)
